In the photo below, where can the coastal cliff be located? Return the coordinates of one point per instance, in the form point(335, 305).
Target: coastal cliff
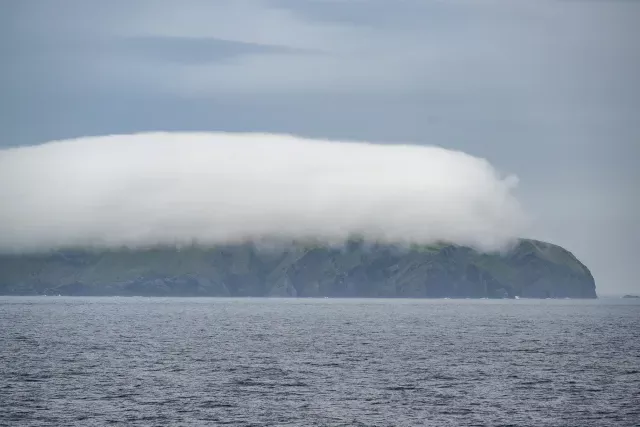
point(531, 269)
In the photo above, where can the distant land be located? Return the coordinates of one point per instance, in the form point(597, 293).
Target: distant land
point(532, 269)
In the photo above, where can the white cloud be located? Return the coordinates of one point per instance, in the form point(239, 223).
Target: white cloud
point(166, 188)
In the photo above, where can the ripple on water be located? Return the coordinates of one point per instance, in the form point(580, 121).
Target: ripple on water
point(146, 361)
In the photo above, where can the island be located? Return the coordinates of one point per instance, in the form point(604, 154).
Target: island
point(530, 269)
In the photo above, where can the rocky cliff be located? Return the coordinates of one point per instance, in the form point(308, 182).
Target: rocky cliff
point(531, 269)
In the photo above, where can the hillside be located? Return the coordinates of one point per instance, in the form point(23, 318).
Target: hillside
point(532, 269)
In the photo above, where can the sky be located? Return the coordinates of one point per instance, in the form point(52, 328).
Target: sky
point(546, 90)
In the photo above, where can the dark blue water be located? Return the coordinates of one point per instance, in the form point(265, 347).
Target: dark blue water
point(155, 361)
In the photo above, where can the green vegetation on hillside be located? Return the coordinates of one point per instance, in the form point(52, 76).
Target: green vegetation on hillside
point(531, 269)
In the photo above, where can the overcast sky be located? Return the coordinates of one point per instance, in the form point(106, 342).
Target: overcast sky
point(544, 89)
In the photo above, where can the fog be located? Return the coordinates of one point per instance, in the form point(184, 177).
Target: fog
point(213, 188)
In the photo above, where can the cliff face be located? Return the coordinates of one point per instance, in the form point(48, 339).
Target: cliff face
point(532, 269)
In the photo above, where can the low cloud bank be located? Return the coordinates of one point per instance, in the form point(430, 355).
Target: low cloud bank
point(213, 188)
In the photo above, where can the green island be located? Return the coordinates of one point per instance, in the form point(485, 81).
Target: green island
point(531, 269)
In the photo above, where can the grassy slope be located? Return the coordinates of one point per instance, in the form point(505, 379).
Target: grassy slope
point(434, 270)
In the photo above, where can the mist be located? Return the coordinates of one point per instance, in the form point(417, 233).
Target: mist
point(151, 189)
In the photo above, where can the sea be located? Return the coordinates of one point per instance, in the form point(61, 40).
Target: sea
point(137, 361)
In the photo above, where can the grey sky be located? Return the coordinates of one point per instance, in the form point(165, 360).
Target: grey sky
point(547, 90)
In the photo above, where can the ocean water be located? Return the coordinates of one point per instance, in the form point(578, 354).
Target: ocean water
point(306, 362)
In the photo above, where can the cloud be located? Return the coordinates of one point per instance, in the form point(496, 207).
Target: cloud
point(226, 48)
point(535, 87)
point(210, 188)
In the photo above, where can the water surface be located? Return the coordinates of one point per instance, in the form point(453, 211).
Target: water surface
point(264, 362)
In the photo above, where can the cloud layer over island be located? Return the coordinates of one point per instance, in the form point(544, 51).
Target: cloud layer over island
point(211, 188)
